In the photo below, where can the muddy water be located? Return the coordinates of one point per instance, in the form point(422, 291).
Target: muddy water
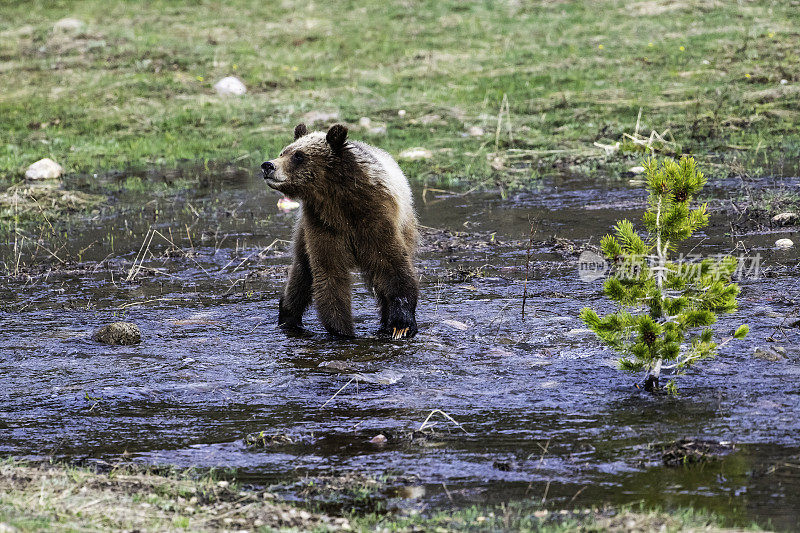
point(542, 408)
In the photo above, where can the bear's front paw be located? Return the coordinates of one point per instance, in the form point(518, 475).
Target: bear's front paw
point(401, 322)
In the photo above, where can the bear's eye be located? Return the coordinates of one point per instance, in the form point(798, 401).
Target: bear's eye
point(298, 157)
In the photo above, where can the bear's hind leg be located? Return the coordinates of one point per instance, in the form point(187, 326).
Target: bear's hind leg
point(297, 293)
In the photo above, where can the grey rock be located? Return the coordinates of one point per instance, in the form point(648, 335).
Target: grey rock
point(118, 333)
point(43, 169)
point(786, 219)
point(230, 86)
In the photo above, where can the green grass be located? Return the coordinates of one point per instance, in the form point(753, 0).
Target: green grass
point(525, 516)
point(52, 497)
point(134, 88)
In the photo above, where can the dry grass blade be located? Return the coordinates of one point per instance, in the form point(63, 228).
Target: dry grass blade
point(425, 425)
point(504, 108)
point(140, 255)
point(259, 252)
point(172, 243)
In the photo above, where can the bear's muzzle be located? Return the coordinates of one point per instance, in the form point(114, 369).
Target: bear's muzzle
point(268, 168)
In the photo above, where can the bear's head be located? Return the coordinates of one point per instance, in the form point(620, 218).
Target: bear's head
point(311, 164)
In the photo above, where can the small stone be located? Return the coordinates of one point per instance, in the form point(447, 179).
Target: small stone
point(427, 120)
point(541, 514)
point(786, 219)
point(43, 169)
point(503, 466)
point(784, 244)
point(380, 438)
point(372, 128)
point(414, 154)
point(411, 492)
point(636, 170)
point(766, 354)
point(223, 484)
point(456, 324)
point(118, 333)
point(230, 86)
point(401, 113)
point(475, 131)
point(69, 25)
point(784, 82)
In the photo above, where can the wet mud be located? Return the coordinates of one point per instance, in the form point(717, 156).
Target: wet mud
point(483, 405)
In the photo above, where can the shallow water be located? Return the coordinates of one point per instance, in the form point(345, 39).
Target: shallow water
point(542, 406)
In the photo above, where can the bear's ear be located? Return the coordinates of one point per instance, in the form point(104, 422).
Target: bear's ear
point(300, 130)
point(336, 137)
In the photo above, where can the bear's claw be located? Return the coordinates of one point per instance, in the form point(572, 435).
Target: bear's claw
point(399, 333)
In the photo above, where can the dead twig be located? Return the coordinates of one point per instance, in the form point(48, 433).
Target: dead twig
point(338, 391)
point(527, 265)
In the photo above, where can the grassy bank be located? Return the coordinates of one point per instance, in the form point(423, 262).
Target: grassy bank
point(52, 497)
point(133, 86)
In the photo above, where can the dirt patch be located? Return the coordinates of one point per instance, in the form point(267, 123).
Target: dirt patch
point(773, 94)
point(659, 7)
point(442, 240)
point(22, 200)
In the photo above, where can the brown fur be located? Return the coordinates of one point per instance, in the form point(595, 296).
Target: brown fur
point(348, 221)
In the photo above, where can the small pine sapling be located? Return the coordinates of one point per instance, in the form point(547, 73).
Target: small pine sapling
point(663, 303)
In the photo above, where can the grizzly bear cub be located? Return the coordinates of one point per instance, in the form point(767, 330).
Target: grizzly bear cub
point(357, 212)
